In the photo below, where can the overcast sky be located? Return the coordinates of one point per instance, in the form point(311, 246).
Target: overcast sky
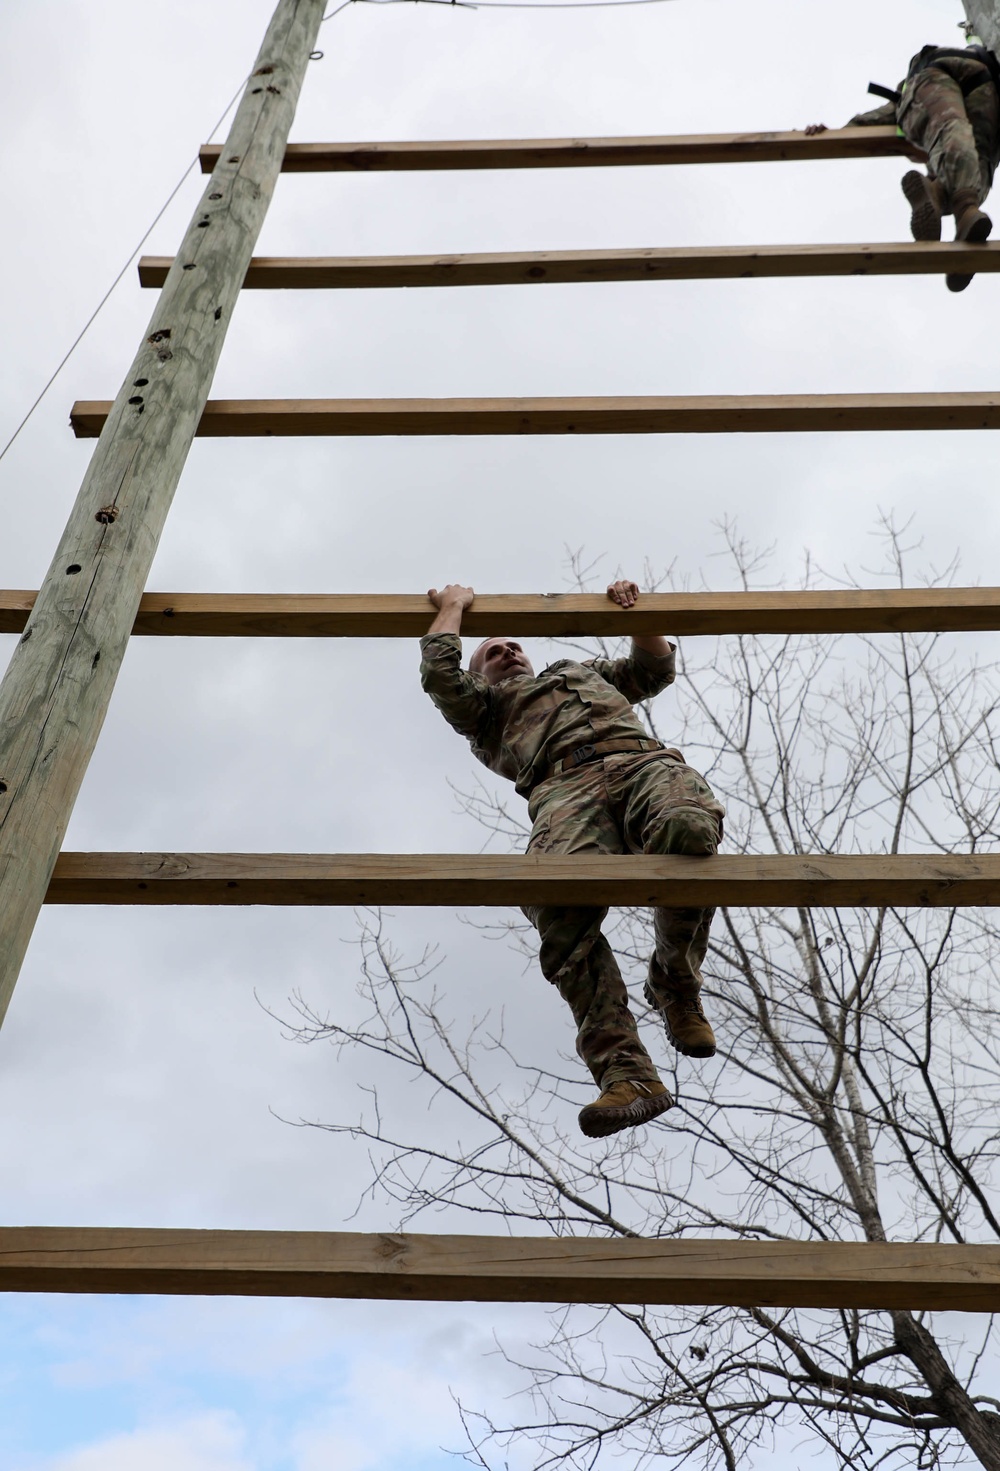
point(141, 1081)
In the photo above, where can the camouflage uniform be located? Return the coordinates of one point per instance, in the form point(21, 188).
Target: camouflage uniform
point(950, 109)
point(642, 800)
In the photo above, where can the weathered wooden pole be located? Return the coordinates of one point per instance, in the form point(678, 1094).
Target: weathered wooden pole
point(56, 692)
point(985, 18)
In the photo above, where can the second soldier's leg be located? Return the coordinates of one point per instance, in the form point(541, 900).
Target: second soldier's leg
point(932, 115)
point(571, 815)
point(982, 107)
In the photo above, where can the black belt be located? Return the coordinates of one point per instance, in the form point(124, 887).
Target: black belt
point(889, 93)
point(595, 750)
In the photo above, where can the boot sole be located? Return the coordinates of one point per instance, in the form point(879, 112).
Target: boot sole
point(980, 231)
point(598, 1123)
point(703, 1049)
point(925, 221)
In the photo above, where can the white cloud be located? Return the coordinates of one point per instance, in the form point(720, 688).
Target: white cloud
point(406, 1413)
point(208, 1442)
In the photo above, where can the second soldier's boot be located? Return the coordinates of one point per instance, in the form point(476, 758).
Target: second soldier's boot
point(686, 1024)
point(926, 201)
point(624, 1104)
point(970, 224)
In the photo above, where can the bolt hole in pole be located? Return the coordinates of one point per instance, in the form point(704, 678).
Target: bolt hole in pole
point(215, 196)
point(3, 786)
point(140, 383)
point(73, 569)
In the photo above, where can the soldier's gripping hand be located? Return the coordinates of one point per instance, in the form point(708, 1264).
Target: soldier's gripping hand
point(451, 602)
point(626, 593)
point(815, 128)
point(623, 592)
point(453, 593)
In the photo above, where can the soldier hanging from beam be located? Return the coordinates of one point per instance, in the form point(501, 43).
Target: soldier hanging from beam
point(948, 106)
point(596, 782)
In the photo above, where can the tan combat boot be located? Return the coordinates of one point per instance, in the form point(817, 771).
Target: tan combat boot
point(686, 1024)
point(926, 201)
point(970, 224)
point(622, 1105)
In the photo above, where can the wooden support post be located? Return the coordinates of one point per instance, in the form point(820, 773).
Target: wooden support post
point(932, 1276)
point(56, 692)
point(576, 153)
point(985, 17)
point(552, 615)
point(906, 880)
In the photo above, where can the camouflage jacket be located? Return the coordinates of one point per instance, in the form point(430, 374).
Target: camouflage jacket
point(926, 57)
point(523, 725)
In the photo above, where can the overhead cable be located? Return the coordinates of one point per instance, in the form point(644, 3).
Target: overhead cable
point(103, 301)
point(159, 216)
point(317, 56)
point(506, 4)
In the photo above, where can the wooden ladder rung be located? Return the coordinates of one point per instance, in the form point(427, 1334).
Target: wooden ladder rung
point(648, 414)
point(562, 153)
point(450, 879)
point(689, 263)
point(352, 1264)
point(552, 615)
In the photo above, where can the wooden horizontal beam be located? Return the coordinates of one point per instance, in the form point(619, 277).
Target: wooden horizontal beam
point(449, 879)
point(689, 263)
point(418, 1268)
point(562, 153)
point(660, 414)
point(552, 615)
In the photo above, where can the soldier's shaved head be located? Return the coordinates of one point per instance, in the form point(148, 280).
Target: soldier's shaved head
point(499, 658)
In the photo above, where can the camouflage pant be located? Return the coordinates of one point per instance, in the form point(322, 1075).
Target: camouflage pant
point(646, 803)
point(959, 133)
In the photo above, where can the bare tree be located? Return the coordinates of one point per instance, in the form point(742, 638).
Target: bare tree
point(854, 1096)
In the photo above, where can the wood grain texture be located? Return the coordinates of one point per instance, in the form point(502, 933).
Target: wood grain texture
point(407, 1267)
point(538, 267)
point(550, 615)
point(659, 414)
point(57, 688)
point(449, 879)
point(561, 153)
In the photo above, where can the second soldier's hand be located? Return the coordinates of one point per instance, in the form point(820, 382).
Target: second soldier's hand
point(451, 602)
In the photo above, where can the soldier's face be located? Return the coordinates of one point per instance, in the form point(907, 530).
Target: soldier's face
point(500, 658)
